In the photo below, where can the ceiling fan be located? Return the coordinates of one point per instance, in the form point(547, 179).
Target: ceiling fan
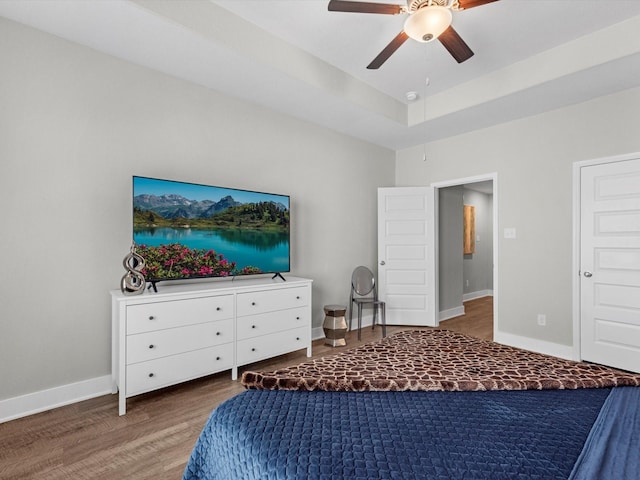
point(427, 20)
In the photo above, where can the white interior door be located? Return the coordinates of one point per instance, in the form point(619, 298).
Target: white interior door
point(610, 264)
point(406, 255)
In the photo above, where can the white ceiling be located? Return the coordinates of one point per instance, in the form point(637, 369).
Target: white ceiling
point(296, 57)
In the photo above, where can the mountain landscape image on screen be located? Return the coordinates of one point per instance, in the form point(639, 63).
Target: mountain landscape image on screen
point(203, 231)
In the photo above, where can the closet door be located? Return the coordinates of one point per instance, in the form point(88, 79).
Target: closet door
point(610, 264)
point(406, 255)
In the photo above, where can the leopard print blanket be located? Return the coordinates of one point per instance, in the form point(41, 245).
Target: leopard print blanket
point(438, 360)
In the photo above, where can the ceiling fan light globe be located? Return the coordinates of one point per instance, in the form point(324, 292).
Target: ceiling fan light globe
point(428, 23)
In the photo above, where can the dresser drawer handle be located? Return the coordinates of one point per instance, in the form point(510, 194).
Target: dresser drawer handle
point(298, 297)
point(150, 375)
point(152, 346)
point(297, 318)
point(151, 317)
point(217, 333)
point(297, 338)
point(253, 304)
point(217, 358)
point(253, 349)
point(253, 326)
point(218, 309)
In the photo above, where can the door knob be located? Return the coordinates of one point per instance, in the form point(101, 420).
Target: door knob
point(588, 274)
point(382, 262)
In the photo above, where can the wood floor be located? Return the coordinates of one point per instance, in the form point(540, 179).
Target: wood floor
point(88, 440)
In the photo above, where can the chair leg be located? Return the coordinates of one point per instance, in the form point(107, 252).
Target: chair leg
point(375, 314)
point(384, 320)
point(350, 313)
point(359, 321)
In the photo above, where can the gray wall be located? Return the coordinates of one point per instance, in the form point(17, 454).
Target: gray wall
point(450, 268)
point(75, 125)
point(533, 159)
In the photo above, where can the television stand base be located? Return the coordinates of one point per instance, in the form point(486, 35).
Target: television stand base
point(278, 274)
point(153, 285)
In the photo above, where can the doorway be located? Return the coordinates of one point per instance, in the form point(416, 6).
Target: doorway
point(465, 275)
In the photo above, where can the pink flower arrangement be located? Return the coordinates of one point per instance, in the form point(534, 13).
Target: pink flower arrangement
point(177, 261)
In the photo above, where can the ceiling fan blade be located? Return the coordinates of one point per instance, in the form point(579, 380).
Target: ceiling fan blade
point(384, 55)
point(455, 45)
point(364, 7)
point(465, 4)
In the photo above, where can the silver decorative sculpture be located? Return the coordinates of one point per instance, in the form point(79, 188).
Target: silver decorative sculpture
point(133, 281)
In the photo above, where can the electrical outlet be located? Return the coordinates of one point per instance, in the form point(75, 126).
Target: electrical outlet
point(542, 319)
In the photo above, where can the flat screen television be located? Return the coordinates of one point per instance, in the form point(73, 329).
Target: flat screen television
point(187, 230)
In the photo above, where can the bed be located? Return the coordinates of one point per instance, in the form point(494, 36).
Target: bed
point(426, 404)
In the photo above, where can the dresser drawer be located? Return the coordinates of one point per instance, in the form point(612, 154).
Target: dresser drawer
point(252, 303)
point(255, 325)
point(176, 313)
point(146, 376)
point(254, 349)
point(161, 343)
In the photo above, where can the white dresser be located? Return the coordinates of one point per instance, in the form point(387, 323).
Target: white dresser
point(190, 330)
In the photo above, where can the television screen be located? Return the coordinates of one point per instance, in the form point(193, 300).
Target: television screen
point(186, 230)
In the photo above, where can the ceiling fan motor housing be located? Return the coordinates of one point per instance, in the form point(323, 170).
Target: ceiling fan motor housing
point(415, 5)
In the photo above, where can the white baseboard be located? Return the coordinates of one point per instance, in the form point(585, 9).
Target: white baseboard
point(31, 403)
point(37, 402)
point(534, 345)
point(479, 294)
point(450, 313)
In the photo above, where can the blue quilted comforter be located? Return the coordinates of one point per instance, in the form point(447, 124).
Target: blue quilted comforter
point(262, 434)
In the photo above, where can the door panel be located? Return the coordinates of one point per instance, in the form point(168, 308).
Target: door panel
point(406, 255)
point(610, 264)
